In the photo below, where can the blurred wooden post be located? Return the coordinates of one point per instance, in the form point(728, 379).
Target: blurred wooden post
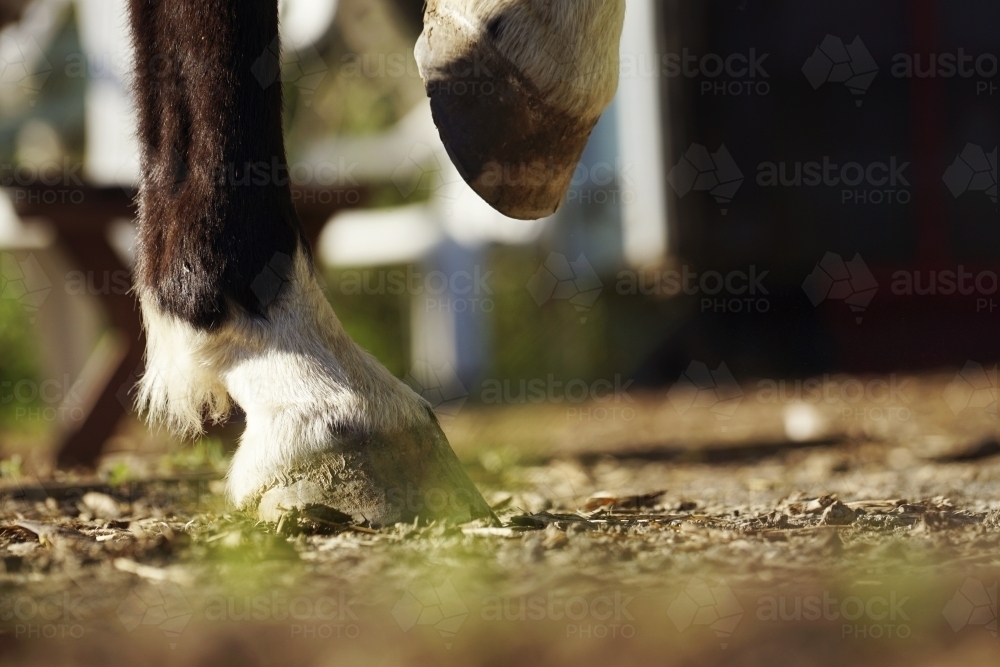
point(81, 219)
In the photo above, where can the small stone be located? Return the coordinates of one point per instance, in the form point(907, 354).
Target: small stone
point(838, 514)
point(101, 506)
point(554, 538)
point(817, 505)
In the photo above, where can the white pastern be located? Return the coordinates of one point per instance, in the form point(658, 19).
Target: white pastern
point(297, 376)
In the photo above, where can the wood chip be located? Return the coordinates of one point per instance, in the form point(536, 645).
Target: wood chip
point(173, 574)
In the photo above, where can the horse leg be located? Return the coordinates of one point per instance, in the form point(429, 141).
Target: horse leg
point(231, 306)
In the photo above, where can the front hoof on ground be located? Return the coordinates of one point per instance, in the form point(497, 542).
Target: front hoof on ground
point(380, 479)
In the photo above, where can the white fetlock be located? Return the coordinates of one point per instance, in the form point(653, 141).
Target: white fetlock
point(322, 414)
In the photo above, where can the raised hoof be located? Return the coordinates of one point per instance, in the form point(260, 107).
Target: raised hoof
point(380, 480)
point(517, 152)
point(510, 142)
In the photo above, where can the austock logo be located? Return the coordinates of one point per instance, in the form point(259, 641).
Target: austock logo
point(437, 291)
point(435, 605)
point(420, 171)
point(979, 68)
point(161, 605)
point(23, 64)
point(714, 606)
point(61, 615)
point(973, 605)
point(876, 183)
point(309, 617)
point(592, 617)
point(702, 171)
point(304, 69)
point(47, 400)
point(870, 617)
point(834, 279)
point(973, 171)
point(439, 386)
point(859, 399)
point(559, 279)
point(273, 280)
point(701, 387)
point(835, 62)
point(600, 400)
point(427, 171)
point(732, 75)
point(24, 281)
point(974, 387)
point(733, 292)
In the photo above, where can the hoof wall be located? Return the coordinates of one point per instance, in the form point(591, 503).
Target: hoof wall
point(380, 480)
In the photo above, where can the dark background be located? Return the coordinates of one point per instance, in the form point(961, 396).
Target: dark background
point(787, 230)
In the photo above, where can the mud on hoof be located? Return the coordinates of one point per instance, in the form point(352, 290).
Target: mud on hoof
point(380, 480)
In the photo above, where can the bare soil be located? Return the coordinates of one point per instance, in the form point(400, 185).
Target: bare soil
point(656, 536)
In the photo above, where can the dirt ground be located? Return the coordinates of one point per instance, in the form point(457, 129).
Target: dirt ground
point(655, 529)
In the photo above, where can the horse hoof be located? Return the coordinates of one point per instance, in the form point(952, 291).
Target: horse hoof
point(515, 94)
point(379, 480)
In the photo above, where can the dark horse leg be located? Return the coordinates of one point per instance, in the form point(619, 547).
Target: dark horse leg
point(231, 307)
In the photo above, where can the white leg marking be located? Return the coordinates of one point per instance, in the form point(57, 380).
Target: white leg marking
point(298, 376)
